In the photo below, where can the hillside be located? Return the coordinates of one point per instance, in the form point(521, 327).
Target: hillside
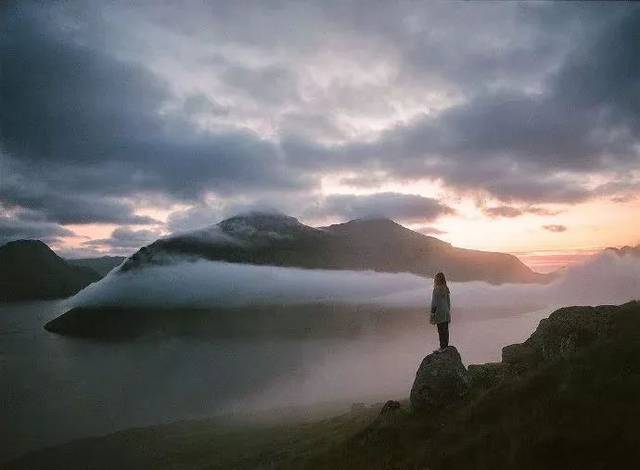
point(376, 244)
point(565, 398)
point(29, 269)
point(102, 265)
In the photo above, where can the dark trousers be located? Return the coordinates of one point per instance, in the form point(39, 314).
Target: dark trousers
point(443, 333)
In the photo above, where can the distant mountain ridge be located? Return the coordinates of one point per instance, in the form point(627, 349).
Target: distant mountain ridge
point(29, 270)
point(363, 244)
point(102, 265)
point(625, 250)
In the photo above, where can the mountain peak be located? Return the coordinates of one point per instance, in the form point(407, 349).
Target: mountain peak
point(382, 221)
point(257, 217)
point(373, 225)
point(28, 245)
point(263, 224)
point(27, 242)
point(365, 222)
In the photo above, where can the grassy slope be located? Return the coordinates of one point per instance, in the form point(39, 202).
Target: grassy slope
point(581, 412)
point(210, 444)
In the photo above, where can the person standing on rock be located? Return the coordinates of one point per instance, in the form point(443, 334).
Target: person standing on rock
point(441, 310)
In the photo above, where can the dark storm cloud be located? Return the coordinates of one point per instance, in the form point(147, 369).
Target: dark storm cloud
point(67, 207)
point(90, 128)
point(403, 207)
point(586, 121)
point(521, 145)
point(16, 229)
point(514, 144)
point(623, 189)
point(506, 43)
point(603, 76)
point(271, 84)
point(310, 125)
point(200, 104)
point(63, 101)
point(526, 105)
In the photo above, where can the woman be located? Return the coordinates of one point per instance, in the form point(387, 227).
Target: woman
point(440, 310)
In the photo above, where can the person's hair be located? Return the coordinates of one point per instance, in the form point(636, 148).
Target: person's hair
point(439, 280)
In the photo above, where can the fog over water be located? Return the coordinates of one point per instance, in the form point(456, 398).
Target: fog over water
point(605, 278)
point(56, 388)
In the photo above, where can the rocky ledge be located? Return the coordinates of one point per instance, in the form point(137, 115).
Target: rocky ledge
point(443, 379)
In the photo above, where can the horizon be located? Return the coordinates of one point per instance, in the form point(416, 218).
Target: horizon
point(125, 123)
point(543, 261)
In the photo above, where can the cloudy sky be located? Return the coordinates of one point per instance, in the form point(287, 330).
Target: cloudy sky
point(501, 126)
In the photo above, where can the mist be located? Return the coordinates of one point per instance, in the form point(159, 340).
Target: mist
point(604, 278)
point(90, 387)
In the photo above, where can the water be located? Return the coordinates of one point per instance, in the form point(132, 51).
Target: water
point(55, 388)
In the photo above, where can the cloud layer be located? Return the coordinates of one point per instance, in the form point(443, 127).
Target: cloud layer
point(409, 207)
point(110, 106)
point(605, 278)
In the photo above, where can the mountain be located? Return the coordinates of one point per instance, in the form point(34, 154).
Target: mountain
point(29, 269)
point(101, 265)
point(363, 244)
point(566, 398)
point(625, 250)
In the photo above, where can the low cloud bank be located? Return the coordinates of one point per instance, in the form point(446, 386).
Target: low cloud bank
point(211, 283)
point(605, 278)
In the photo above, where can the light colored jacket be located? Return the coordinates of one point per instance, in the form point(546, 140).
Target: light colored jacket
point(440, 305)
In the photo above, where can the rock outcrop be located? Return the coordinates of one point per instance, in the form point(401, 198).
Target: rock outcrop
point(487, 375)
point(390, 415)
point(440, 380)
point(565, 331)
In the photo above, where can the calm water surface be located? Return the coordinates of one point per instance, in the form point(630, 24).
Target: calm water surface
point(55, 389)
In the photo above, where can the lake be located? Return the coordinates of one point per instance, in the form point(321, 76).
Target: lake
point(56, 388)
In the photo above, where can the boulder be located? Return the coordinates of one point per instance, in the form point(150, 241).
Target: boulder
point(440, 380)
